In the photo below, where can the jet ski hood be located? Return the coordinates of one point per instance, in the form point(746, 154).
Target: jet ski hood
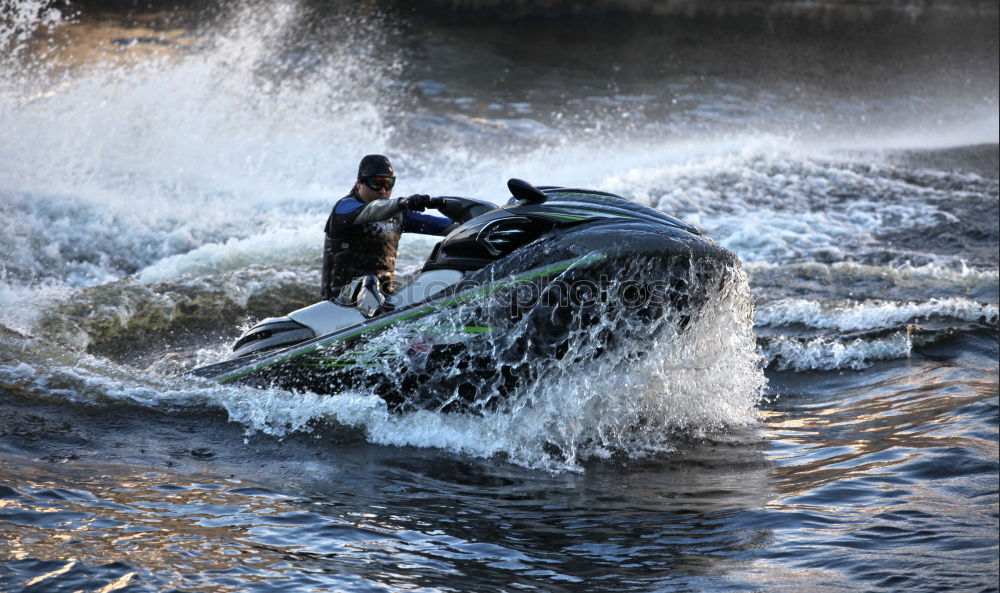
point(532, 213)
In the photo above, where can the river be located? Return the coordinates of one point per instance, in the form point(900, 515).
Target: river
point(164, 179)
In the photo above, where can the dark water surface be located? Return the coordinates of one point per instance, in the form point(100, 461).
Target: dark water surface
point(164, 178)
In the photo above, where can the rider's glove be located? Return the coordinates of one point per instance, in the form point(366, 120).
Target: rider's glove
point(416, 202)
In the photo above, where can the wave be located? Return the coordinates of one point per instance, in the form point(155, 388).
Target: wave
point(131, 322)
point(855, 335)
point(770, 204)
point(827, 354)
point(135, 157)
point(841, 280)
point(274, 248)
point(847, 317)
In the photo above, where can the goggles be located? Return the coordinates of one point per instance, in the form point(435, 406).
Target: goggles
point(380, 183)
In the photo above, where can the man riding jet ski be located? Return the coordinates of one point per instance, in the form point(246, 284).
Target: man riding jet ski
point(557, 275)
point(362, 235)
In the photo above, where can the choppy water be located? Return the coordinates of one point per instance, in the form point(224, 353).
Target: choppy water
point(164, 179)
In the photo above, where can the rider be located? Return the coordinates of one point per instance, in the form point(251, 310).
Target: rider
point(362, 233)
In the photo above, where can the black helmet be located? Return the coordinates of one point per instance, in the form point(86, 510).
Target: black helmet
point(375, 165)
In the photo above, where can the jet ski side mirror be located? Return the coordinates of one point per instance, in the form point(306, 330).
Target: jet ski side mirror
point(524, 191)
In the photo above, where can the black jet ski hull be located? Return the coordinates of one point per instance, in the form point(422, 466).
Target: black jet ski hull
point(469, 347)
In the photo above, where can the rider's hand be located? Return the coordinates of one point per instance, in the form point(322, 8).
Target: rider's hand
point(416, 202)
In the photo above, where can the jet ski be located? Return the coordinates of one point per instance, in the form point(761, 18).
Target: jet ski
point(557, 275)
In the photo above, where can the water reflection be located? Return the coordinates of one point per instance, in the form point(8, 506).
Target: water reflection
point(397, 518)
point(874, 471)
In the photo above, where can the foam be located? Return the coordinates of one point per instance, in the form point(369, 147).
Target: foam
point(827, 354)
point(785, 204)
point(132, 163)
point(21, 307)
point(960, 275)
point(268, 248)
point(847, 316)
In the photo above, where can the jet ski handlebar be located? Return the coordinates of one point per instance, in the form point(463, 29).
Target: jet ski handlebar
point(462, 210)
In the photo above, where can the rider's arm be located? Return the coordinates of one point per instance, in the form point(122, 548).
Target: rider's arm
point(377, 210)
point(356, 212)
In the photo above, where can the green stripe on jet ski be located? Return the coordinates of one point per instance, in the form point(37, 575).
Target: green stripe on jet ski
point(601, 213)
point(588, 214)
point(585, 195)
point(410, 315)
point(336, 365)
point(553, 215)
